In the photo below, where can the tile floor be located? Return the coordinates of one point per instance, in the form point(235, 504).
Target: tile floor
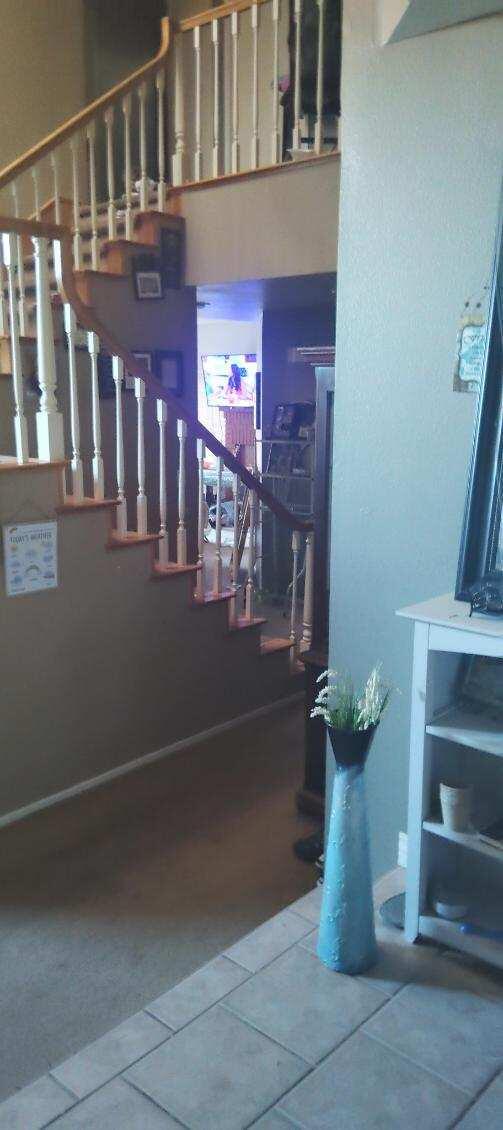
point(266, 1036)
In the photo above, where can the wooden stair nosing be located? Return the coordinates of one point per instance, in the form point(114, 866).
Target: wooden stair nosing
point(211, 598)
point(71, 507)
point(11, 464)
point(274, 645)
point(162, 572)
point(242, 624)
point(116, 541)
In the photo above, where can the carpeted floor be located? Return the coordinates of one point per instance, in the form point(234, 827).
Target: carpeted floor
point(110, 899)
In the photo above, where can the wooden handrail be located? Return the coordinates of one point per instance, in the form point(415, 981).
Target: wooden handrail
point(86, 316)
point(59, 135)
point(217, 13)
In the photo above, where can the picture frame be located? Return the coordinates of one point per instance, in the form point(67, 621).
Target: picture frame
point(144, 357)
point(168, 368)
point(281, 457)
point(147, 278)
point(481, 549)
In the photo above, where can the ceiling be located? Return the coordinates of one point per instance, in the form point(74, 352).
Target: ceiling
point(245, 300)
point(404, 19)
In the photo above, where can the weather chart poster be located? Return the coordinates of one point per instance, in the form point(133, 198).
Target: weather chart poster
point(31, 557)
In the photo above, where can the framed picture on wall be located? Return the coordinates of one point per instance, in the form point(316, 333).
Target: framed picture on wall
point(168, 368)
point(144, 357)
point(147, 277)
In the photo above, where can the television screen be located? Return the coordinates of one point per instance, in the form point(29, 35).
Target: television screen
point(229, 379)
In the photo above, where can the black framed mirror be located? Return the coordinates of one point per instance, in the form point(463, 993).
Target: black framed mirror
point(480, 567)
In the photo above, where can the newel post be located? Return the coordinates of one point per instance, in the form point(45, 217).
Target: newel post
point(50, 439)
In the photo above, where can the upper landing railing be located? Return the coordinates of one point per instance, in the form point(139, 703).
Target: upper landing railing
point(217, 108)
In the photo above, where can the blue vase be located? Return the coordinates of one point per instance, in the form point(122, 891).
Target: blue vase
point(346, 940)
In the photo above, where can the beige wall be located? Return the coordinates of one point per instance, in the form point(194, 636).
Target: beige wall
point(43, 71)
point(268, 226)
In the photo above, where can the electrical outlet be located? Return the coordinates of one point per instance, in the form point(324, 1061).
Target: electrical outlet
point(402, 849)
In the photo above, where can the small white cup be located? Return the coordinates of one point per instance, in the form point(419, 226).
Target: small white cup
point(456, 805)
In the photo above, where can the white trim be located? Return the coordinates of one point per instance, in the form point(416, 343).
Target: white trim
point(145, 759)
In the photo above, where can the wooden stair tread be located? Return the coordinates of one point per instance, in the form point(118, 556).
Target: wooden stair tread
point(160, 572)
point(125, 244)
point(273, 645)
point(8, 463)
point(69, 506)
point(242, 624)
point(131, 538)
point(210, 598)
point(91, 272)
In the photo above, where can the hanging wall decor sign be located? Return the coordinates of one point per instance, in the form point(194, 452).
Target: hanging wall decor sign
point(30, 557)
point(470, 348)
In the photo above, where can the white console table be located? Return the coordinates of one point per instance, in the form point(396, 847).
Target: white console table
point(450, 743)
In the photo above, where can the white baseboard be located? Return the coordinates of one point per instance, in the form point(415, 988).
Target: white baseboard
point(402, 849)
point(145, 759)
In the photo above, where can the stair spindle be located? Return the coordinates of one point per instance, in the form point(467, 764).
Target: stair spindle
point(91, 141)
point(4, 317)
point(254, 140)
point(235, 92)
point(20, 267)
point(252, 550)
point(77, 239)
point(36, 192)
point(93, 346)
point(178, 160)
point(198, 150)
point(54, 159)
point(128, 186)
point(160, 84)
point(11, 263)
point(76, 461)
point(215, 27)
point(142, 97)
point(49, 420)
point(318, 129)
point(295, 579)
point(141, 500)
point(275, 136)
point(162, 418)
point(217, 565)
point(307, 619)
point(297, 16)
point(181, 534)
point(108, 119)
point(235, 547)
point(118, 374)
point(201, 515)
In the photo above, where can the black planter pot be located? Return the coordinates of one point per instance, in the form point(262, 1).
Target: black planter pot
point(351, 747)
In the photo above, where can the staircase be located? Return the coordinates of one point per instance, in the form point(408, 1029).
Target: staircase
point(151, 657)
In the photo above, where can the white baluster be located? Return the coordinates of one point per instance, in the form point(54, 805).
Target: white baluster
point(275, 136)
point(76, 461)
point(250, 583)
point(49, 420)
point(93, 346)
point(178, 160)
point(295, 577)
point(181, 533)
point(126, 109)
point(160, 83)
point(162, 417)
point(254, 140)
point(318, 129)
point(201, 514)
point(77, 239)
point(4, 317)
point(54, 159)
point(235, 547)
point(297, 15)
point(36, 192)
point(142, 97)
point(11, 262)
point(216, 97)
point(141, 500)
point(235, 92)
point(91, 141)
point(217, 567)
point(108, 119)
point(307, 619)
point(197, 110)
point(118, 374)
point(20, 267)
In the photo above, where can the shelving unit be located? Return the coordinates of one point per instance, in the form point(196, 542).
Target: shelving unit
point(447, 740)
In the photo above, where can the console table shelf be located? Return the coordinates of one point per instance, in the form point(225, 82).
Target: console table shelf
point(449, 742)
